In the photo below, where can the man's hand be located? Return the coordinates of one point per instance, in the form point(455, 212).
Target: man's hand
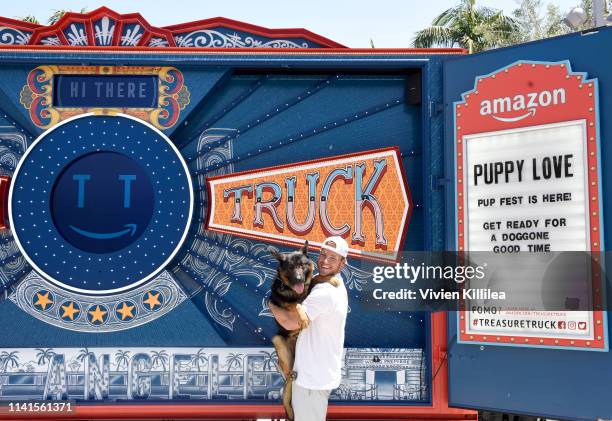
point(303, 321)
point(286, 318)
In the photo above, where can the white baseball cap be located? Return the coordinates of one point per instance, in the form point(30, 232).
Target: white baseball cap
point(337, 245)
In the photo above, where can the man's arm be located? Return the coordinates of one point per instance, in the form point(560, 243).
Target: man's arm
point(289, 319)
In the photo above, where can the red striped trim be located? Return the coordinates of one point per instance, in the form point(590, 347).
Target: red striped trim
point(235, 51)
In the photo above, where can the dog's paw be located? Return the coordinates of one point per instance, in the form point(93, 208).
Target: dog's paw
point(335, 282)
point(303, 319)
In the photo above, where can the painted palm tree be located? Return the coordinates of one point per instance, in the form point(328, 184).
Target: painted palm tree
point(83, 353)
point(468, 26)
point(270, 360)
point(159, 358)
point(44, 355)
point(199, 359)
point(121, 358)
point(7, 358)
point(233, 359)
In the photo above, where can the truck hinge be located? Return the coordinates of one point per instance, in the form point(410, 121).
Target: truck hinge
point(438, 182)
point(435, 108)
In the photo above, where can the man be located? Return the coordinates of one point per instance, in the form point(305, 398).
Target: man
point(319, 347)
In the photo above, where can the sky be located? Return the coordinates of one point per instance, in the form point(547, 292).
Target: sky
point(389, 23)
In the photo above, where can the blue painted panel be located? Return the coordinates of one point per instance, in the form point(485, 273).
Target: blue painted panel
point(555, 383)
point(282, 122)
point(214, 106)
point(225, 278)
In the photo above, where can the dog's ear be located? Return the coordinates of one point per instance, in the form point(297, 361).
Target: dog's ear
point(304, 248)
point(274, 252)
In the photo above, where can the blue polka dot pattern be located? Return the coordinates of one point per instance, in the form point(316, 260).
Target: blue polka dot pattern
point(79, 269)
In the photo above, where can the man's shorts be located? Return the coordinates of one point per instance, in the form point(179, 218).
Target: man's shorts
point(309, 404)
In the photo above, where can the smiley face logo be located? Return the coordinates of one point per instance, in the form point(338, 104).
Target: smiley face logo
point(100, 204)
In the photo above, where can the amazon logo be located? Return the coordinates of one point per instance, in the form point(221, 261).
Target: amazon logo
point(102, 202)
point(522, 106)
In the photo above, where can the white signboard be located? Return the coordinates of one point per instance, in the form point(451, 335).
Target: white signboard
point(527, 162)
point(525, 193)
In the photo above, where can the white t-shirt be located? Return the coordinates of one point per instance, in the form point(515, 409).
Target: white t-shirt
point(319, 347)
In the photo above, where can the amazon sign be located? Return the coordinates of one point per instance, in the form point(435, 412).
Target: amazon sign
point(529, 182)
point(362, 197)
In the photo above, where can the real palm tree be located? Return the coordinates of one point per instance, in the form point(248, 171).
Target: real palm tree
point(58, 13)
point(468, 26)
point(160, 357)
point(30, 19)
point(44, 355)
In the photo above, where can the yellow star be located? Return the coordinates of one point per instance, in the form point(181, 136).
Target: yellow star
point(152, 300)
point(43, 300)
point(97, 314)
point(126, 311)
point(70, 311)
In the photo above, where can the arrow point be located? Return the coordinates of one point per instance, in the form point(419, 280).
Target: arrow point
point(133, 227)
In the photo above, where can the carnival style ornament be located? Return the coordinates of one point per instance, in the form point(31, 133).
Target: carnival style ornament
point(363, 197)
point(44, 95)
point(98, 206)
point(105, 27)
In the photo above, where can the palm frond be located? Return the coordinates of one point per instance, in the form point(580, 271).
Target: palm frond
point(30, 18)
point(57, 15)
point(507, 23)
point(447, 17)
point(434, 36)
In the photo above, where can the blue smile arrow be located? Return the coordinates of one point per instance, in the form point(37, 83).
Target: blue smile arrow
point(102, 236)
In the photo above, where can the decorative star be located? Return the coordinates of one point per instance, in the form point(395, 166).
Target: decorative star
point(43, 300)
point(70, 310)
point(126, 311)
point(152, 300)
point(97, 314)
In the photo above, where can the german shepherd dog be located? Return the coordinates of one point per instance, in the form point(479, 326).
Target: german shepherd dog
point(293, 282)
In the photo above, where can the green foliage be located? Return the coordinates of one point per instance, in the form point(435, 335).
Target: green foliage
point(468, 26)
point(30, 18)
point(534, 24)
point(481, 28)
point(57, 15)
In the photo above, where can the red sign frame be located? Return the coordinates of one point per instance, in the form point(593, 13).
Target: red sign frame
point(526, 81)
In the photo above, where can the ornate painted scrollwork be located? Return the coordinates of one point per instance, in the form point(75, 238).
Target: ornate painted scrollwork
point(37, 94)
